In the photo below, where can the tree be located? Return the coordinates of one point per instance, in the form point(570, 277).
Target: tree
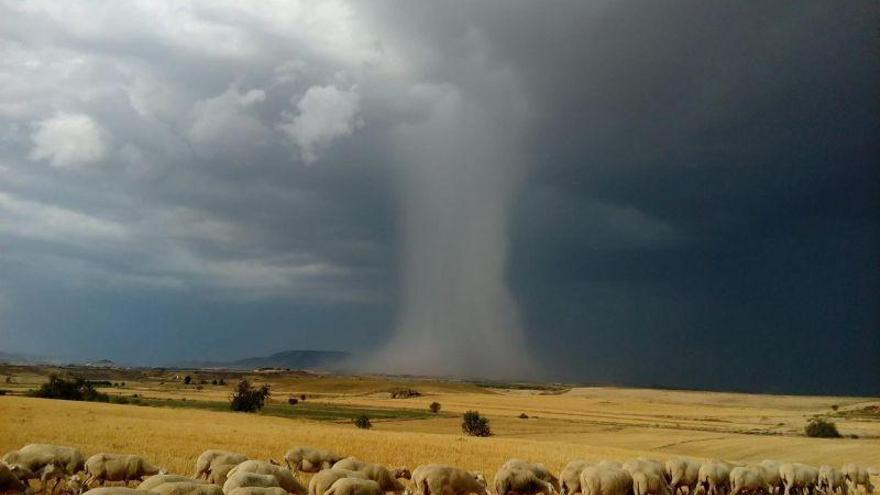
point(187, 380)
point(221, 382)
point(362, 422)
point(247, 398)
point(293, 401)
point(821, 428)
point(434, 407)
point(475, 425)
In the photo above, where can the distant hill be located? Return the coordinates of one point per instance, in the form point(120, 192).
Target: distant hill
point(299, 359)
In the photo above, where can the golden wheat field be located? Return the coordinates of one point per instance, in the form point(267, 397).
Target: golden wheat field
point(562, 423)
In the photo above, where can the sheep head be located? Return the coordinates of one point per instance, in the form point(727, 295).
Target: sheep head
point(402, 472)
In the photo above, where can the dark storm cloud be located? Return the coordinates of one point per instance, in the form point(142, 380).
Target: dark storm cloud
point(699, 205)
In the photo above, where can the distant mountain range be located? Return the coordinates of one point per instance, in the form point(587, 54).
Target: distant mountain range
point(299, 359)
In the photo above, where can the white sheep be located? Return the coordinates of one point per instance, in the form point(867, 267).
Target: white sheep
point(188, 488)
point(212, 457)
point(570, 477)
point(649, 477)
point(219, 473)
point(747, 480)
point(310, 460)
point(105, 467)
point(799, 477)
point(437, 479)
point(387, 479)
point(858, 476)
point(354, 486)
point(322, 481)
point(714, 477)
point(539, 469)
point(36, 456)
point(770, 471)
point(606, 480)
point(258, 490)
point(117, 490)
point(520, 481)
point(158, 479)
point(682, 473)
point(285, 477)
point(244, 479)
point(831, 480)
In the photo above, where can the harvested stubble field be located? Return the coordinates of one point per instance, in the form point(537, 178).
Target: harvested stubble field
point(562, 424)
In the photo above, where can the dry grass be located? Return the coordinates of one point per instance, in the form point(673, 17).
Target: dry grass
point(591, 423)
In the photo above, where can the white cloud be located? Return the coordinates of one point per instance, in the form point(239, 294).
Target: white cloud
point(225, 124)
point(325, 113)
point(71, 141)
point(31, 219)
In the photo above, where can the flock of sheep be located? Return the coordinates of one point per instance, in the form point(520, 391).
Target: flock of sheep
point(221, 472)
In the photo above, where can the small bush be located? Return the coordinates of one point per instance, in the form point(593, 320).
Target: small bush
point(404, 393)
point(835, 407)
point(221, 382)
point(362, 422)
point(187, 380)
point(213, 382)
point(3, 392)
point(523, 416)
point(119, 399)
point(69, 389)
point(246, 398)
point(302, 396)
point(434, 407)
point(293, 401)
point(821, 428)
point(475, 425)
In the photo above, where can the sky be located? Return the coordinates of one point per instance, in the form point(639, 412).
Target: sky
point(679, 194)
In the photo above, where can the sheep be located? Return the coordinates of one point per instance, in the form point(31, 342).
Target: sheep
point(36, 456)
point(245, 479)
point(387, 479)
point(159, 479)
point(117, 490)
point(770, 471)
point(649, 476)
point(258, 490)
point(682, 473)
point(831, 480)
point(105, 467)
point(747, 480)
point(9, 482)
point(540, 471)
point(437, 479)
point(354, 486)
point(570, 477)
point(652, 467)
point(800, 477)
point(857, 476)
point(219, 473)
point(520, 481)
point(321, 482)
point(212, 457)
point(714, 477)
point(188, 488)
point(285, 477)
point(606, 480)
point(310, 460)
